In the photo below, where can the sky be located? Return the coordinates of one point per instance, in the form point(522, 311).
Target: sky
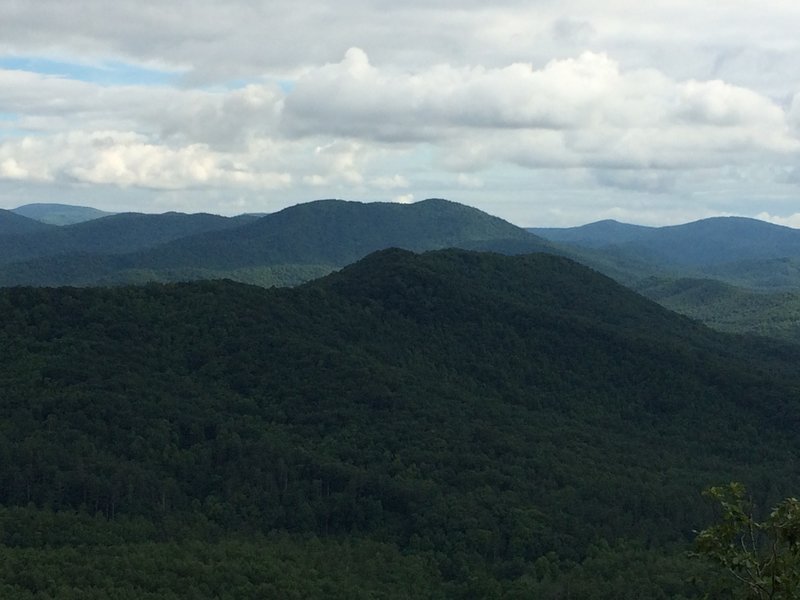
point(542, 112)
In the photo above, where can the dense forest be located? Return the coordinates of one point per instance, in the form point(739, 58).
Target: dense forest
point(449, 424)
point(729, 308)
point(733, 274)
point(301, 242)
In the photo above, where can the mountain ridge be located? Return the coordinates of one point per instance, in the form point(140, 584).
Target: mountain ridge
point(734, 273)
point(60, 214)
point(312, 239)
point(114, 234)
point(323, 234)
point(14, 224)
point(511, 420)
point(698, 244)
point(423, 225)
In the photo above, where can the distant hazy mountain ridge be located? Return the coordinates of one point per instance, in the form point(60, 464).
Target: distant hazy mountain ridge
point(733, 273)
point(713, 241)
point(309, 240)
point(115, 234)
point(325, 235)
point(60, 214)
point(594, 235)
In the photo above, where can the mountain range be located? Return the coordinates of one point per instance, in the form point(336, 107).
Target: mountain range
point(733, 273)
point(452, 424)
point(113, 235)
point(682, 267)
point(705, 243)
point(313, 238)
point(13, 224)
point(59, 214)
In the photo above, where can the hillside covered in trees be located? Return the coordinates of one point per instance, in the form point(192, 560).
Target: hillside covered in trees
point(293, 245)
point(450, 424)
point(735, 274)
point(732, 273)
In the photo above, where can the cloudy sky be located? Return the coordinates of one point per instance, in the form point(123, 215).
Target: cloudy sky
point(539, 111)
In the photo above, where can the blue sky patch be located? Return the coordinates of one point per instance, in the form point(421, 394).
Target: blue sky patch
point(107, 73)
point(8, 126)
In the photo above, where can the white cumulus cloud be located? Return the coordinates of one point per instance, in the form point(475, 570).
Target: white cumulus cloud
point(684, 102)
point(128, 159)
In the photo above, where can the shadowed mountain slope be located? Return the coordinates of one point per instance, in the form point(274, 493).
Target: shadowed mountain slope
point(14, 224)
point(522, 425)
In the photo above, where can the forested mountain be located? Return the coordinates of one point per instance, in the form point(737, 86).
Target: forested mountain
point(727, 307)
point(743, 252)
point(768, 274)
point(121, 233)
point(594, 235)
point(14, 224)
point(310, 240)
point(336, 232)
point(306, 239)
point(732, 273)
point(60, 214)
point(703, 243)
point(445, 425)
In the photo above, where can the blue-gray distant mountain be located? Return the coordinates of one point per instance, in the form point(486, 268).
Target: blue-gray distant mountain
point(116, 234)
point(594, 235)
point(732, 273)
point(14, 224)
point(713, 241)
point(323, 235)
point(60, 214)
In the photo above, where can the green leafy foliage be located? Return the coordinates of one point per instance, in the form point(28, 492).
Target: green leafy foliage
point(760, 558)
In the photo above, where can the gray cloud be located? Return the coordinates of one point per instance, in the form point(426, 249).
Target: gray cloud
point(239, 37)
point(658, 182)
point(573, 31)
point(409, 98)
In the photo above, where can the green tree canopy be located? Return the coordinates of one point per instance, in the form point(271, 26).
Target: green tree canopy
point(761, 559)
